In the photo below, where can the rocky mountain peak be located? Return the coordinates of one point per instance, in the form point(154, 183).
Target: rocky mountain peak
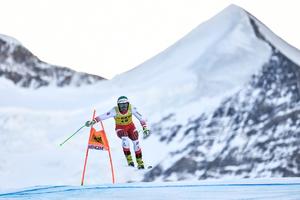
point(19, 65)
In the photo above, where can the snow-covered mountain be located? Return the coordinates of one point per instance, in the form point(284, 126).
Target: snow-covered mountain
point(253, 132)
point(19, 65)
point(221, 102)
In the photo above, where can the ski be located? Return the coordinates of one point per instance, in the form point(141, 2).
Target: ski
point(145, 168)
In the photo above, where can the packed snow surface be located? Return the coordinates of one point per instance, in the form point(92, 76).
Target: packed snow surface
point(258, 189)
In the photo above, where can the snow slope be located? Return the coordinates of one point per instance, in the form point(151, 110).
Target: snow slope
point(272, 189)
point(192, 77)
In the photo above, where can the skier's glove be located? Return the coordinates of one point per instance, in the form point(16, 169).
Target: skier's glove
point(90, 123)
point(146, 132)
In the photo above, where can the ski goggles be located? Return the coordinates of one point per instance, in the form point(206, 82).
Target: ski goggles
point(123, 106)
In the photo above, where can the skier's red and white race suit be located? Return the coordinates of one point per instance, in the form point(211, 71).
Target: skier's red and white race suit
point(125, 127)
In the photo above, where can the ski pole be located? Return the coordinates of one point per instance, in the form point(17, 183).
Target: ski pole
point(72, 135)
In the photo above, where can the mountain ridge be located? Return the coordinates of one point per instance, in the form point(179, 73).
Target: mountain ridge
point(20, 66)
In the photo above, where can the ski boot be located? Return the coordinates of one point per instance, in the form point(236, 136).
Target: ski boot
point(140, 163)
point(129, 160)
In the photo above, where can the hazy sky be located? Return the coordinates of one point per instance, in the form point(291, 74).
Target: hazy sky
point(108, 37)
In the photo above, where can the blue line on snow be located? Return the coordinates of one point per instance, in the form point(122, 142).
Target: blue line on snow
point(45, 190)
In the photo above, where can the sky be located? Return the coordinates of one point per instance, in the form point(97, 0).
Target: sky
point(109, 37)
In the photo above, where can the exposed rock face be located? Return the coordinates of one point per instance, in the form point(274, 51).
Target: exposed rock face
point(20, 66)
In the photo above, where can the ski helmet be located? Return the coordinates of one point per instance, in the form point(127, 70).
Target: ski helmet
point(123, 103)
point(123, 99)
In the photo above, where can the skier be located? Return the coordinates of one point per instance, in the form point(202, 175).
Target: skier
point(125, 128)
